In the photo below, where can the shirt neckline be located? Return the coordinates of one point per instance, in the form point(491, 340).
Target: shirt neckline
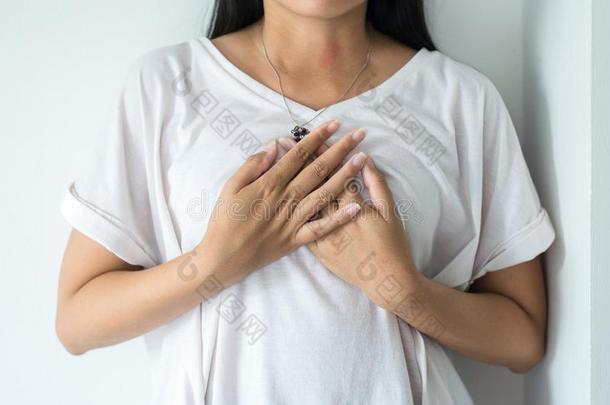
point(390, 83)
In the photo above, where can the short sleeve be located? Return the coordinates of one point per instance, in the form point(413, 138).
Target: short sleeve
point(514, 226)
point(110, 199)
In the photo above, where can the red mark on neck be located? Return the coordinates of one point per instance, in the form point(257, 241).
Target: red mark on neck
point(329, 55)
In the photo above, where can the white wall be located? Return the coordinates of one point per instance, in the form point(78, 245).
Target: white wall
point(600, 216)
point(62, 63)
point(558, 130)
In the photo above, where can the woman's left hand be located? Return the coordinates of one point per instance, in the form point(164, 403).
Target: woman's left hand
point(370, 252)
point(501, 321)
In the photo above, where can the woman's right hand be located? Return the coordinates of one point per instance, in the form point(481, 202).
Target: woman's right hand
point(267, 210)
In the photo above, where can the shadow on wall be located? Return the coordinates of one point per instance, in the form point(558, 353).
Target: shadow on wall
point(536, 142)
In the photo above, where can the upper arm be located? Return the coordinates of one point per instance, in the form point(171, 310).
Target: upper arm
point(85, 259)
point(523, 283)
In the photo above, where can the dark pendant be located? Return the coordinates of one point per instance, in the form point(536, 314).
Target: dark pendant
point(298, 132)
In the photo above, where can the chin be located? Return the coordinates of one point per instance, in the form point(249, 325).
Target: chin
point(321, 8)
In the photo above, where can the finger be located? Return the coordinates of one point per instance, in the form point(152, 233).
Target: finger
point(286, 143)
point(321, 168)
point(351, 193)
point(321, 197)
point(253, 168)
point(289, 143)
point(328, 210)
point(311, 231)
point(288, 166)
point(353, 187)
point(381, 196)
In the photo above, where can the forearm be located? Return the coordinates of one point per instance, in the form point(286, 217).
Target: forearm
point(484, 326)
point(120, 305)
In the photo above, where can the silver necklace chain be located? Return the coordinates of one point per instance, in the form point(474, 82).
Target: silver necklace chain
point(300, 128)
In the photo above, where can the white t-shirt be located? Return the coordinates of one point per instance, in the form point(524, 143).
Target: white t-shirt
point(292, 332)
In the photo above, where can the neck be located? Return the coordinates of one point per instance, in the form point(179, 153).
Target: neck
point(303, 45)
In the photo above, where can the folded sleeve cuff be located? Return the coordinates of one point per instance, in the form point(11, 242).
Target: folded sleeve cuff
point(529, 242)
point(104, 228)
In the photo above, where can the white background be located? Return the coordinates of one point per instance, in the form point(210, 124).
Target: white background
point(62, 63)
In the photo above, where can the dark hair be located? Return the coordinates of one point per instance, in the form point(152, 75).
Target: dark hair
point(402, 20)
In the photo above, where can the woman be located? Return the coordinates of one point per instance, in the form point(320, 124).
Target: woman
point(336, 263)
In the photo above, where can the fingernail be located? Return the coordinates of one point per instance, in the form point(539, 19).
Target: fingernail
point(358, 159)
point(352, 209)
point(358, 135)
point(333, 126)
point(370, 162)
